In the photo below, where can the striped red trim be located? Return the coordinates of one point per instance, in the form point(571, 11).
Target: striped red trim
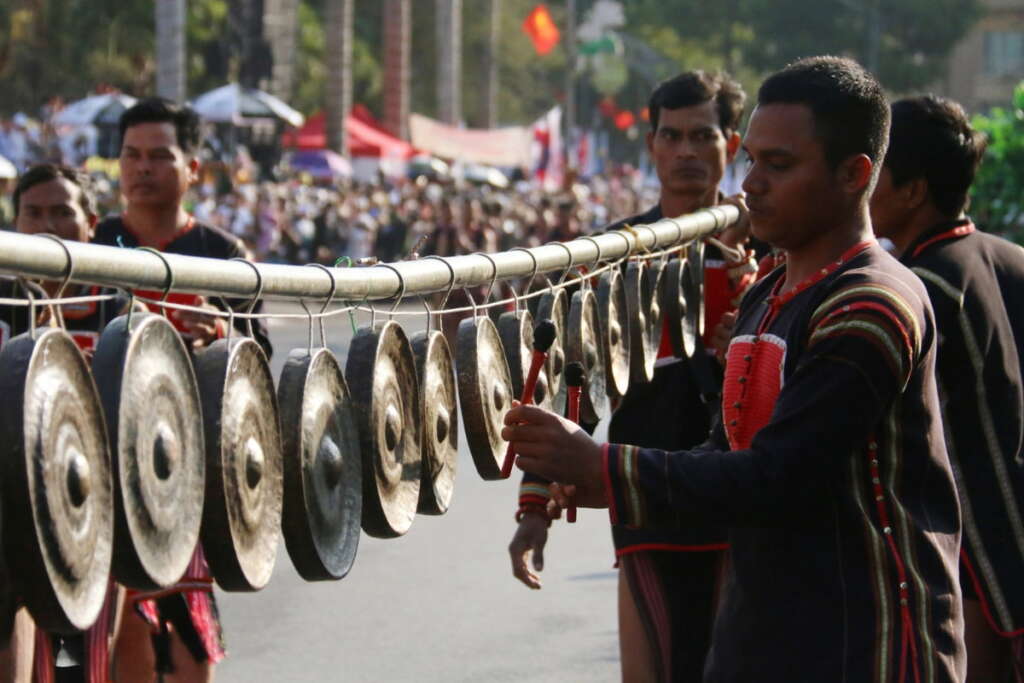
point(872, 306)
point(533, 500)
point(43, 666)
point(907, 635)
point(985, 608)
point(958, 231)
point(670, 547)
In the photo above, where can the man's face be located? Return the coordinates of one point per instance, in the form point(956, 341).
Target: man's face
point(792, 192)
point(54, 207)
point(155, 172)
point(689, 149)
point(889, 212)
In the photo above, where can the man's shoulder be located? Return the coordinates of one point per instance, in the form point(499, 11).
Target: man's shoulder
point(208, 240)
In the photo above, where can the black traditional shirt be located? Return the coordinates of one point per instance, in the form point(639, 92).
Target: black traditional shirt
point(976, 285)
point(197, 239)
point(828, 466)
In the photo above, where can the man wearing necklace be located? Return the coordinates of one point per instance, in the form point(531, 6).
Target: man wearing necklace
point(827, 462)
point(976, 284)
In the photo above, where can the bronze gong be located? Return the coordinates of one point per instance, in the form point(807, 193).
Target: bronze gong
point(323, 469)
point(583, 345)
point(614, 318)
point(244, 487)
point(56, 482)
point(381, 374)
point(554, 306)
point(638, 303)
point(516, 332)
point(151, 400)
point(674, 285)
point(435, 373)
point(485, 393)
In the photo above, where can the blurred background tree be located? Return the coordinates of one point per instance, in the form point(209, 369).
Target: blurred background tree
point(997, 197)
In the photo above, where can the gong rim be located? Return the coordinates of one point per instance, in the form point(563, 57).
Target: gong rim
point(613, 314)
point(435, 371)
point(241, 524)
point(323, 491)
point(638, 291)
point(485, 393)
point(694, 290)
point(151, 399)
point(585, 347)
point(381, 374)
point(61, 553)
point(655, 313)
point(516, 332)
point(554, 306)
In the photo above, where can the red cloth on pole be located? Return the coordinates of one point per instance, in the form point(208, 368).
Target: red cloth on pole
point(541, 29)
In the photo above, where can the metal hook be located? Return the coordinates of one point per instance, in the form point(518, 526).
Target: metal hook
point(256, 297)
point(622, 235)
point(401, 288)
point(26, 286)
point(472, 302)
point(533, 273)
point(231, 318)
point(572, 259)
point(58, 312)
point(515, 298)
point(309, 333)
point(168, 283)
point(679, 230)
point(494, 276)
point(654, 236)
point(327, 301)
point(451, 284)
point(597, 263)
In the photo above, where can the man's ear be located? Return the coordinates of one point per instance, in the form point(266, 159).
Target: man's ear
point(732, 146)
point(915, 192)
point(855, 173)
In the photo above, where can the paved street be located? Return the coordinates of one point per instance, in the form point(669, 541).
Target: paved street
point(439, 604)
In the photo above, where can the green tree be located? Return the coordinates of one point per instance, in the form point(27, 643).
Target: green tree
point(997, 197)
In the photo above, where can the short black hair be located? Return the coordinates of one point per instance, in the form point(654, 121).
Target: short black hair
point(850, 109)
point(160, 110)
point(697, 87)
point(44, 173)
point(931, 138)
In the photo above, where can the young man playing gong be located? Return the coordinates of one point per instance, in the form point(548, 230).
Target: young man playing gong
point(827, 461)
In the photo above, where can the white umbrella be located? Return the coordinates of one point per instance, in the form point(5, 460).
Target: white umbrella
point(7, 169)
point(232, 103)
point(94, 109)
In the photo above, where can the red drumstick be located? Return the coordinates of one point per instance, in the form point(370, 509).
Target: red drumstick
point(543, 338)
point(574, 380)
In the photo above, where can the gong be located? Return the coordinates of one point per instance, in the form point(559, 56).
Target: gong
point(693, 286)
point(151, 400)
point(516, 332)
point(584, 339)
point(554, 306)
point(614, 318)
point(57, 481)
point(381, 374)
point(435, 373)
point(681, 332)
point(242, 514)
point(323, 493)
point(485, 393)
point(638, 303)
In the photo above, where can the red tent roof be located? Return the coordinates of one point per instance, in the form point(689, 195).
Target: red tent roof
point(366, 137)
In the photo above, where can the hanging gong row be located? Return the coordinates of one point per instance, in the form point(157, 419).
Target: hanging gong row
point(118, 469)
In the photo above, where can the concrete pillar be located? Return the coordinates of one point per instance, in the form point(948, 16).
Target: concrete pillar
point(339, 72)
point(489, 92)
point(170, 49)
point(397, 52)
point(449, 70)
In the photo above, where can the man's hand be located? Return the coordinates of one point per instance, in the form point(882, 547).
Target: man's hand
point(530, 539)
point(557, 449)
point(722, 334)
point(203, 328)
point(736, 235)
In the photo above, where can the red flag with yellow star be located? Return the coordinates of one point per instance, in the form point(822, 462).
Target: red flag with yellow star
point(542, 30)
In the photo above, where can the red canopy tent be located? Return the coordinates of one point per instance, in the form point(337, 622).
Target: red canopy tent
point(366, 137)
